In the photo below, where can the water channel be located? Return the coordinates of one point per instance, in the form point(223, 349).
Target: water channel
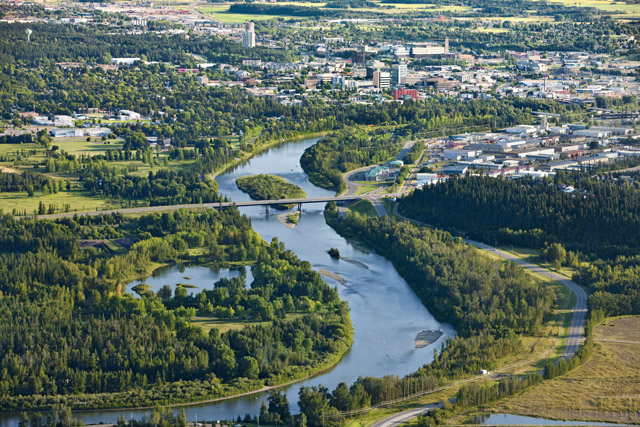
point(385, 312)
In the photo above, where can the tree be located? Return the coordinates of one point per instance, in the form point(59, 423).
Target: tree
point(248, 367)
point(279, 405)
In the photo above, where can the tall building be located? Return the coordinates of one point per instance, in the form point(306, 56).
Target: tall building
point(249, 35)
point(382, 79)
point(399, 74)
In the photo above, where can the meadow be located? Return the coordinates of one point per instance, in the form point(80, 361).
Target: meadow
point(606, 388)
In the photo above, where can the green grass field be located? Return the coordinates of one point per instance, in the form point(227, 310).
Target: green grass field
point(80, 145)
point(364, 208)
point(606, 5)
point(365, 187)
point(223, 325)
point(77, 199)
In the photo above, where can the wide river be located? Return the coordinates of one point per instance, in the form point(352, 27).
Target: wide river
point(385, 312)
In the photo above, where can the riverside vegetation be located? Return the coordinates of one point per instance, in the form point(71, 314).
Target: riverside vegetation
point(72, 336)
point(270, 187)
point(489, 302)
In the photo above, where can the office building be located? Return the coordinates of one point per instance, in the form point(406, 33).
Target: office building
point(399, 74)
point(382, 79)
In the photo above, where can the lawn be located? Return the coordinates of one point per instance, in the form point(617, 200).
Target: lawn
point(606, 5)
point(364, 208)
point(366, 187)
point(80, 145)
point(606, 388)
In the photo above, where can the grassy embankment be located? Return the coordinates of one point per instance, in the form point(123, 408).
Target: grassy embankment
point(606, 388)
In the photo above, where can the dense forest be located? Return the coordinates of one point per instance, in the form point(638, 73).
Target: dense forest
point(72, 335)
point(270, 187)
point(595, 218)
point(593, 221)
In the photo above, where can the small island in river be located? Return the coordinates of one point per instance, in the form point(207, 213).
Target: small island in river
point(270, 187)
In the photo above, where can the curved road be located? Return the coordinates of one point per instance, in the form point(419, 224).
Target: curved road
point(576, 331)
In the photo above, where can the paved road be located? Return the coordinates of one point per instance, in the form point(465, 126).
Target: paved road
point(405, 149)
point(404, 416)
point(351, 186)
point(574, 339)
point(576, 331)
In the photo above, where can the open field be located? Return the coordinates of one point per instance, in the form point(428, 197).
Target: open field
point(607, 388)
point(606, 5)
point(365, 187)
point(223, 325)
point(77, 199)
point(80, 145)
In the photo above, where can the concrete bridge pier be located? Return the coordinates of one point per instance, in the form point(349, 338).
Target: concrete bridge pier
point(300, 208)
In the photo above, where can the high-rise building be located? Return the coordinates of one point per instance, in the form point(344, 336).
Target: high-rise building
point(249, 35)
point(382, 79)
point(399, 74)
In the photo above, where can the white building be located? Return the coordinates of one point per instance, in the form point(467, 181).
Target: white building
point(129, 115)
point(124, 61)
point(249, 35)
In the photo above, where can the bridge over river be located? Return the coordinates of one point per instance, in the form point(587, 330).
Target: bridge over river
point(219, 205)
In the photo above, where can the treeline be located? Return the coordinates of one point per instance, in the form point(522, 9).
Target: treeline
point(26, 181)
point(332, 9)
point(414, 153)
point(517, 8)
point(270, 187)
point(613, 284)
point(165, 187)
point(594, 219)
point(25, 138)
point(72, 336)
point(52, 43)
point(458, 284)
point(348, 149)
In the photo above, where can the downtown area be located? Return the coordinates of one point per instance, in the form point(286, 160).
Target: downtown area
point(331, 213)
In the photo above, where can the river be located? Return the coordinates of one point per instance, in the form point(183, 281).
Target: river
point(385, 312)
